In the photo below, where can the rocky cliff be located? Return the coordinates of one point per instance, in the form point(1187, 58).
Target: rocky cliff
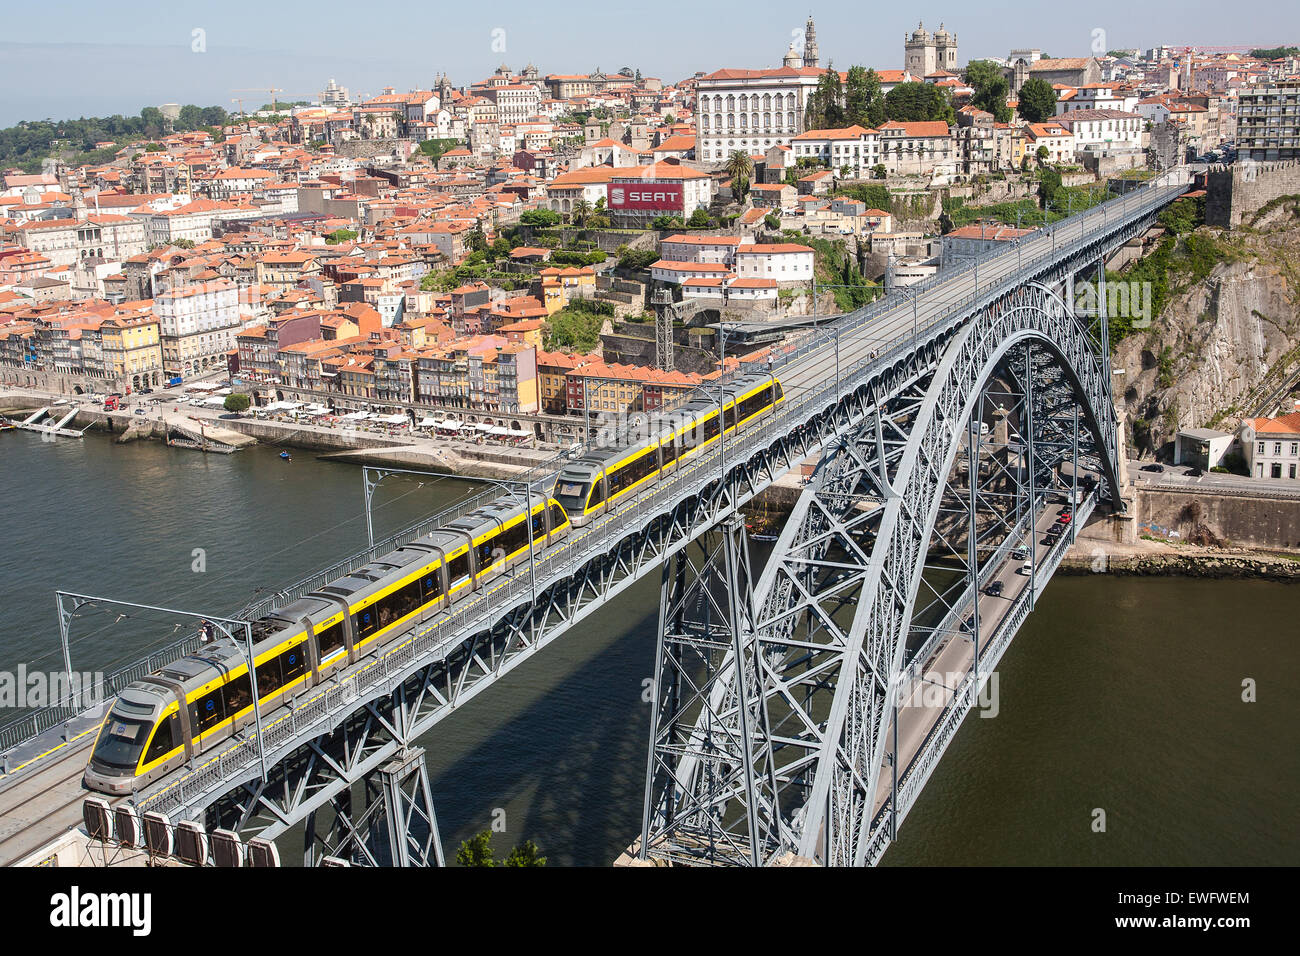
point(1226, 343)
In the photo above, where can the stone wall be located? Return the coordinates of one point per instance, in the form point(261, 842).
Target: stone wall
point(1232, 192)
point(1242, 520)
point(64, 383)
point(371, 148)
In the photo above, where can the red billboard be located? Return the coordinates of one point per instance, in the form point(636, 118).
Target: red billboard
point(646, 194)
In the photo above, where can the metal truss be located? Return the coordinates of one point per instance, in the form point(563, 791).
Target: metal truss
point(835, 606)
point(890, 418)
point(396, 825)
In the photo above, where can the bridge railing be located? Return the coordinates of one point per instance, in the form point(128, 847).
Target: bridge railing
point(26, 726)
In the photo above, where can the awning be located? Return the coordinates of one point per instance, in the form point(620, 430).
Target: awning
point(354, 416)
point(214, 400)
point(429, 423)
point(391, 419)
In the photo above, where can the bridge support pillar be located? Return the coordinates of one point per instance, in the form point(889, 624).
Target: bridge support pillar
point(396, 827)
point(708, 732)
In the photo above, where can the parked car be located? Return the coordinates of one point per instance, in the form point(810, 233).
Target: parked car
point(1026, 567)
point(1064, 517)
point(994, 589)
point(1193, 472)
point(140, 411)
point(1153, 467)
point(230, 415)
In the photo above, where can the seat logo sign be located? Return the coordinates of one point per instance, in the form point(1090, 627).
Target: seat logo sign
point(651, 195)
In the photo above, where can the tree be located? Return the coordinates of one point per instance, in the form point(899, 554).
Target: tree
point(990, 85)
point(879, 171)
point(235, 402)
point(1276, 52)
point(191, 117)
point(699, 219)
point(739, 167)
point(864, 104)
point(1042, 154)
point(540, 217)
point(1048, 186)
point(339, 236)
point(525, 854)
point(1037, 101)
point(772, 221)
point(918, 102)
point(476, 851)
point(825, 106)
point(581, 210)
point(152, 121)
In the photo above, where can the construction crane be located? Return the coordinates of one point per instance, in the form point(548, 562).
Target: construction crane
point(271, 91)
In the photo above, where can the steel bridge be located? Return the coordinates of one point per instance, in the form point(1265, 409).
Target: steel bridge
point(791, 715)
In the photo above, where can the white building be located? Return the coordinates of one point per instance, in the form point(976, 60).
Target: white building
point(192, 221)
point(719, 250)
point(516, 102)
point(852, 146)
point(66, 241)
point(924, 148)
point(754, 110)
point(1098, 130)
point(198, 325)
point(1272, 446)
point(1097, 96)
point(784, 262)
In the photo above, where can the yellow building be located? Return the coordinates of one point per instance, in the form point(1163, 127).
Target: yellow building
point(132, 349)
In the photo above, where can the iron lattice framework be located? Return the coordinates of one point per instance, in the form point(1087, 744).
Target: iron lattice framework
point(784, 753)
point(354, 725)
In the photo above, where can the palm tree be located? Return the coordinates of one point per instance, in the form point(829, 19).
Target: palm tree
point(581, 210)
point(739, 165)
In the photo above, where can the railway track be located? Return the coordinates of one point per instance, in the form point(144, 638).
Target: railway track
point(36, 808)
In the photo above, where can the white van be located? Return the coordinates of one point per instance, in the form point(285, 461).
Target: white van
point(1026, 567)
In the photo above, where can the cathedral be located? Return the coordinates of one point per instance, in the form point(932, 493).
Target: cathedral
point(925, 53)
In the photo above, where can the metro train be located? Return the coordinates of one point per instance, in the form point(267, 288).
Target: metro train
point(159, 723)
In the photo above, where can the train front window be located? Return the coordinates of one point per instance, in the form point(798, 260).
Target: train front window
point(120, 743)
point(572, 494)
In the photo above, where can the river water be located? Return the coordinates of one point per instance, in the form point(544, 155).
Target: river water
point(1122, 695)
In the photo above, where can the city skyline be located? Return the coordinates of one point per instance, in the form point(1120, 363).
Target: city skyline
point(251, 46)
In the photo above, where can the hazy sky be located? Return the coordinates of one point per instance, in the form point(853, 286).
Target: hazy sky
point(82, 58)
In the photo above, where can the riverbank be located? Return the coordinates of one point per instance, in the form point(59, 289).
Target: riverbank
point(356, 444)
point(1164, 560)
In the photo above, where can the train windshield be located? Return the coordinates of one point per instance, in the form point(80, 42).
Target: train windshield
point(122, 740)
point(572, 494)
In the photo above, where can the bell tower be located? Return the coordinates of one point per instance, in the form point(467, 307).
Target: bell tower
point(810, 43)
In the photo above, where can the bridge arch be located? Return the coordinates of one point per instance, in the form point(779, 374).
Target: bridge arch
point(833, 610)
point(873, 651)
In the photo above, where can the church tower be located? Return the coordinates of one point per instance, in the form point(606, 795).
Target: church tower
point(945, 50)
point(810, 43)
point(918, 52)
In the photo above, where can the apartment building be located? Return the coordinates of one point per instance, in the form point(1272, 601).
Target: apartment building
point(1268, 121)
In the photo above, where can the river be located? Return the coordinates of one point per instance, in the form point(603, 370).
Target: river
point(1119, 694)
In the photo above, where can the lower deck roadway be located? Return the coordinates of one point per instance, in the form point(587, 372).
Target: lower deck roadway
point(924, 701)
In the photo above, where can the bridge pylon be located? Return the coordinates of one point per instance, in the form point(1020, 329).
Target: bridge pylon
point(708, 717)
point(396, 826)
